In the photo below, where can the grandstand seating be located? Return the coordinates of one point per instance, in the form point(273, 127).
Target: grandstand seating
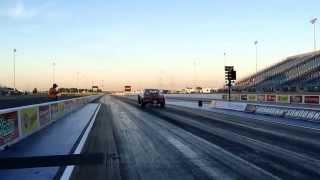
point(296, 72)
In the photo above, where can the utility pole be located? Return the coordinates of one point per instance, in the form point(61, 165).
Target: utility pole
point(195, 73)
point(14, 69)
point(53, 72)
point(224, 59)
point(102, 82)
point(77, 82)
point(256, 44)
point(224, 62)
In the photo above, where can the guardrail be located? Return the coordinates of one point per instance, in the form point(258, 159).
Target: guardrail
point(309, 114)
point(270, 98)
point(20, 122)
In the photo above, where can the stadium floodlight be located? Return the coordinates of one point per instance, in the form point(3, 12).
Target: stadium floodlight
point(313, 21)
point(256, 44)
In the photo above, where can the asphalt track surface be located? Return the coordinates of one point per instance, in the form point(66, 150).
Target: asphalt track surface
point(16, 101)
point(181, 143)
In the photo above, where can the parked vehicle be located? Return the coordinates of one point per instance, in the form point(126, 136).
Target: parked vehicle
point(15, 93)
point(151, 96)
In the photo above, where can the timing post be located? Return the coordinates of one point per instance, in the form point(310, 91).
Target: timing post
point(230, 76)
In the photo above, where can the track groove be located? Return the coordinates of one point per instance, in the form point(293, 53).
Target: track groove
point(280, 161)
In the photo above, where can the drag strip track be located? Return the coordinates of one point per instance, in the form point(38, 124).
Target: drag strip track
point(151, 148)
point(284, 153)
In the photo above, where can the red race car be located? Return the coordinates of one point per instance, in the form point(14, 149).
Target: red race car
point(151, 96)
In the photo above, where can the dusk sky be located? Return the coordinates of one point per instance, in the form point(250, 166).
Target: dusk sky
point(167, 43)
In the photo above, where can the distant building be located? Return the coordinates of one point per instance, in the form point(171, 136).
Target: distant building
point(198, 90)
point(95, 88)
point(187, 90)
point(208, 90)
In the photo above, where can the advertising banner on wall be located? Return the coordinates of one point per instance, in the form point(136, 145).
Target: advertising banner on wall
point(54, 112)
point(9, 129)
point(69, 105)
point(252, 97)
point(268, 110)
point(244, 97)
point(60, 110)
point(303, 114)
point(311, 99)
point(251, 108)
point(271, 98)
point(225, 97)
point(261, 97)
point(237, 106)
point(66, 106)
point(235, 97)
point(29, 120)
point(295, 99)
point(283, 98)
point(44, 115)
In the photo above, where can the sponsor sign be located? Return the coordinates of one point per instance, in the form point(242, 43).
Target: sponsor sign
point(283, 98)
point(295, 99)
point(225, 97)
point(269, 110)
point(303, 114)
point(251, 108)
point(235, 97)
point(60, 110)
point(244, 97)
point(54, 112)
point(44, 115)
point(74, 104)
point(237, 106)
point(29, 120)
point(290, 113)
point(67, 106)
point(311, 99)
point(252, 97)
point(261, 97)
point(9, 128)
point(271, 98)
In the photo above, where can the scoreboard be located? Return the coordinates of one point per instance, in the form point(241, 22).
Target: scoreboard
point(127, 88)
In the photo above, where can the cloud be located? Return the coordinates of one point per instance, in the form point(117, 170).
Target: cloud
point(19, 11)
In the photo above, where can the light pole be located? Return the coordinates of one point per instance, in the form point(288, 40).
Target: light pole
point(14, 69)
point(256, 45)
point(77, 82)
point(53, 72)
point(224, 64)
point(254, 80)
point(313, 21)
point(224, 59)
point(102, 85)
point(195, 71)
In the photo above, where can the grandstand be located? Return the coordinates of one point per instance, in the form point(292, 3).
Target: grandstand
point(294, 74)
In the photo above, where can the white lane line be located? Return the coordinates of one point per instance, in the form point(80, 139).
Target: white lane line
point(69, 169)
